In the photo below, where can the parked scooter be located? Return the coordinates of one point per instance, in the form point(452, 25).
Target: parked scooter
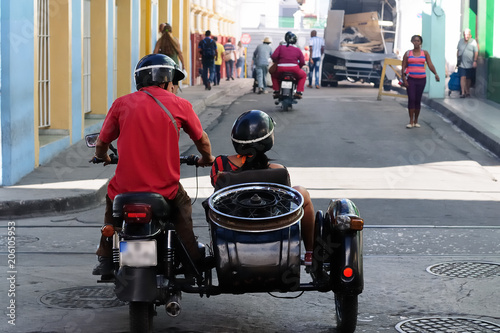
point(246, 221)
point(288, 88)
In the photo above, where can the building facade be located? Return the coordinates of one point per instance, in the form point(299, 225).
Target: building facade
point(64, 62)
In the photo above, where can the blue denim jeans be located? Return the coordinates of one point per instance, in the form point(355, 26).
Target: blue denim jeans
point(260, 73)
point(208, 65)
point(314, 67)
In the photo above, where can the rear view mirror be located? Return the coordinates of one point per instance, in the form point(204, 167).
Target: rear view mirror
point(91, 140)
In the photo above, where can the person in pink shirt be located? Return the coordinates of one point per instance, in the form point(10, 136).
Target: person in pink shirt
point(289, 59)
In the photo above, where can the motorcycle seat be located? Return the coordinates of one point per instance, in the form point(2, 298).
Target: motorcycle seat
point(159, 206)
point(277, 176)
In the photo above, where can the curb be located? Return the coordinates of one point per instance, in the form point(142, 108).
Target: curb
point(61, 204)
point(464, 125)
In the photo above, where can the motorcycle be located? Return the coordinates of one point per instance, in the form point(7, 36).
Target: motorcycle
point(255, 247)
point(288, 88)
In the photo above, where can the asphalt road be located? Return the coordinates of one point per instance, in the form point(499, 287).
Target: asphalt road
point(429, 197)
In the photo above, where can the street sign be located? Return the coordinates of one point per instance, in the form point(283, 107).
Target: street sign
point(245, 39)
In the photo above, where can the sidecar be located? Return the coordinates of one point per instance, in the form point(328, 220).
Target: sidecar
point(256, 243)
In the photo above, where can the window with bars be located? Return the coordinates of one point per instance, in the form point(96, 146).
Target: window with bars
point(86, 58)
point(43, 63)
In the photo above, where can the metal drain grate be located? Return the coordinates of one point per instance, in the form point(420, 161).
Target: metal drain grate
point(82, 298)
point(447, 325)
point(465, 269)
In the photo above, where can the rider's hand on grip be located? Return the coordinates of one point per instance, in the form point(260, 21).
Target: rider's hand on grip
point(206, 161)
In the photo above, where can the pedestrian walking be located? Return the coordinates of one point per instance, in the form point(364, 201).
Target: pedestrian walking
point(240, 62)
point(208, 53)
point(414, 77)
point(261, 57)
point(218, 61)
point(467, 53)
point(229, 58)
point(316, 50)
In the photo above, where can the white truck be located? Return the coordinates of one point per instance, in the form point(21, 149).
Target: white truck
point(359, 35)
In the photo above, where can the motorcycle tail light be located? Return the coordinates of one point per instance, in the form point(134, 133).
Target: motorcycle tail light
point(137, 213)
point(348, 272)
point(107, 230)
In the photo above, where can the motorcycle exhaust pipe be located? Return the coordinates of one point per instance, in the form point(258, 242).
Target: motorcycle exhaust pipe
point(173, 306)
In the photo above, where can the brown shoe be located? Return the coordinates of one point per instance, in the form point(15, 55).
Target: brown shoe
point(298, 95)
point(309, 86)
point(317, 87)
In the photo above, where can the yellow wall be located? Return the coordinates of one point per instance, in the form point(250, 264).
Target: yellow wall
point(99, 26)
point(60, 69)
point(124, 46)
point(186, 40)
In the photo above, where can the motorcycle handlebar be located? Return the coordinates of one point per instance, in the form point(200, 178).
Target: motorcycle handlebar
point(189, 159)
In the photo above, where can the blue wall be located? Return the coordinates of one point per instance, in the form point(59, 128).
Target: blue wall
point(17, 116)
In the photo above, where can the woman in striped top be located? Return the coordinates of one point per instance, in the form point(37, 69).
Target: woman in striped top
point(414, 77)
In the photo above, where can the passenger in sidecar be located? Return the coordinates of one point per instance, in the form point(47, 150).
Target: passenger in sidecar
point(252, 136)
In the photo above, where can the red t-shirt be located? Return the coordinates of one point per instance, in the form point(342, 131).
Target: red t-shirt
point(148, 144)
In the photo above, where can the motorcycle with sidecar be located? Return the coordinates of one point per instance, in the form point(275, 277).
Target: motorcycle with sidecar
point(255, 247)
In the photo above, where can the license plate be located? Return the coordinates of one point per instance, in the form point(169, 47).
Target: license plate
point(340, 67)
point(138, 253)
point(286, 84)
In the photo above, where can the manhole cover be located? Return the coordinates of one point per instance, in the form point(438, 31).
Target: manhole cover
point(82, 297)
point(447, 325)
point(465, 269)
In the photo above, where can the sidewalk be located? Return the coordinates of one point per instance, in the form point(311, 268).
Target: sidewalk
point(68, 182)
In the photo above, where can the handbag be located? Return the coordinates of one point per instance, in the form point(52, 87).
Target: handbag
point(273, 68)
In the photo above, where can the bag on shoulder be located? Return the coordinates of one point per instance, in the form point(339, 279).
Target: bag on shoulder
point(227, 55)
point(208, 49)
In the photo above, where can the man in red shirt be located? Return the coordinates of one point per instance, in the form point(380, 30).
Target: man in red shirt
point(148, 147)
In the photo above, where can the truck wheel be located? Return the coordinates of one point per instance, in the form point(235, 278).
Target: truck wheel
point(141, 317)
point(346, 310)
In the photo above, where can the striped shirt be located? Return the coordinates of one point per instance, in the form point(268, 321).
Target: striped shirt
point(316, 43)
point(416, 65)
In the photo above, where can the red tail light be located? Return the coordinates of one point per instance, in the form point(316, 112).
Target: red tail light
point(348, 272)
point(137, 213)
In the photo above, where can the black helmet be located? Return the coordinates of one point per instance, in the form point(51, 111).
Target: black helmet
point(155, 69)
point(253, 132)
point(290, 38)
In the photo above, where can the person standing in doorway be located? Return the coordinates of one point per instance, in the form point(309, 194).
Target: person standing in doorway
point(467, 53)
point(208, 53)
point(414, 77)
point(261, 57)
point(218, 61)
point(316, 50)
point(229, 58)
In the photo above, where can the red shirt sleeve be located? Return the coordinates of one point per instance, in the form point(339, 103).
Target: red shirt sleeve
point(110, 128)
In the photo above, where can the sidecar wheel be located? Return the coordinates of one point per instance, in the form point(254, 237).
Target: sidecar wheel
point(141, 317)
point(346, 310)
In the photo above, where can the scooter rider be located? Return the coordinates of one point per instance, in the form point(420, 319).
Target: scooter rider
point(148, 148)
point(289, 59)
point(252, 136)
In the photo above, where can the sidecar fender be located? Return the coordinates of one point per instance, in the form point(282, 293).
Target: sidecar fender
point(346, 267)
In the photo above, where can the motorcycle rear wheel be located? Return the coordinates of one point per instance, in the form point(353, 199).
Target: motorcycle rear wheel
point(141, 317)
point(346, 310)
